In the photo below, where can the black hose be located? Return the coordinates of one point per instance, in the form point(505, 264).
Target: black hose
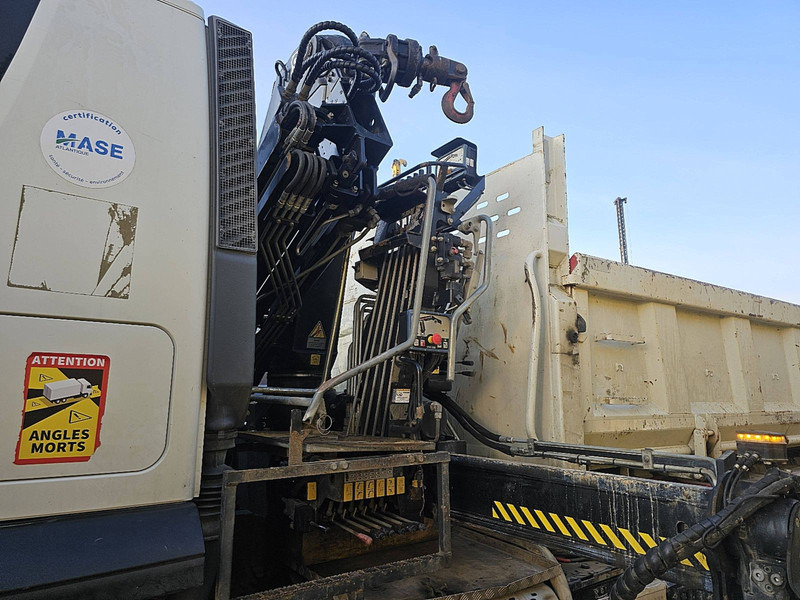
point(730, 485)
point(297, 71)
point(353, 66)
point(475, 429)
point(353, 55)
point(707, 533)
point(346, 52)
point(403, 187)
point(743, 464)
point(453, 407)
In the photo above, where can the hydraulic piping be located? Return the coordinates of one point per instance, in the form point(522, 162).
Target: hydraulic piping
point(427, 226)
point(486, 272)
point(531, 412)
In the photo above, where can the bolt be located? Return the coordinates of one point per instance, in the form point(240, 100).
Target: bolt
point(433, 248)
point(768, 588)
point(449, 220)
point(758, 575)
point(334, 466)
point(344, 464)
point(345, 174)
point(439, 260)
point(776, 579)
point(355, 188)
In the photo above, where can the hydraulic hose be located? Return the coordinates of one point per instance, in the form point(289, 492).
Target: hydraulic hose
point(475, 429)
point(707, 533)
point(297, 71)
point(344, 65)
point(343, 52)
point(352, 58)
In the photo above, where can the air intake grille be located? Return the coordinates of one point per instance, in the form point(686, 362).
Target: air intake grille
point(233, 97)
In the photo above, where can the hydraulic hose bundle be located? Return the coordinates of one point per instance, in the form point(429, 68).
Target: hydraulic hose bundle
point(350, 58)
point(475, 429)
point(299, 66)
point(708, 533)
point(343, 57)
point(376, 65)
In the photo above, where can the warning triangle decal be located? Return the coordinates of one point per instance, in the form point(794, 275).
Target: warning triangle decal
point(318, 331)
point(43, 377)
point(34, 403)
point(77, 417)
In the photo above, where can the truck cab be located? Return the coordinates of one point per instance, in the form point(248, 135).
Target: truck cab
point(126, 84)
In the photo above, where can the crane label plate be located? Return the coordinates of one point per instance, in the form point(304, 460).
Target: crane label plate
point(64, 399)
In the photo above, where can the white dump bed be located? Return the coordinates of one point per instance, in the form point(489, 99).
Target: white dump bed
point(664, 362)
point(672, 361)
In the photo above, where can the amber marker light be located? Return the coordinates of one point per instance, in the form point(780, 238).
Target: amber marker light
point(762, 438)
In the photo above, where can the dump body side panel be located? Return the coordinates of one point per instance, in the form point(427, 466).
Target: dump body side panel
point(684, 361)
point(664, 361)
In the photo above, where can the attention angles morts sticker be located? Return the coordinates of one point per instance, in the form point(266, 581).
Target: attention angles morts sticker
point(65, 396)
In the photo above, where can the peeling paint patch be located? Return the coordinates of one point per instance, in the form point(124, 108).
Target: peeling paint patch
point(74, 245)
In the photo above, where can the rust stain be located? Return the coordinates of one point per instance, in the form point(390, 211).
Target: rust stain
point(489, 353)
point(505, 338)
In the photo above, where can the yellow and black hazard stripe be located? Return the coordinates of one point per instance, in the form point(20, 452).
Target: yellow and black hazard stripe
point(599, 534)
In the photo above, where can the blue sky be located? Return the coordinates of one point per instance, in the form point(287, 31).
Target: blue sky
point(690, 109)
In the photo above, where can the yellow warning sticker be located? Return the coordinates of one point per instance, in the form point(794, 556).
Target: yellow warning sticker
point(64, 400)
point(311, 490)
point(317, 340)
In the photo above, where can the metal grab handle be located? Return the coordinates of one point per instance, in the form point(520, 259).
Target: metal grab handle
point(448, 102)
point(427, 226)
point(486, 272)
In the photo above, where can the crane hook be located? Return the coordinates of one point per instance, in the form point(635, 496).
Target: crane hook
point(448, 102)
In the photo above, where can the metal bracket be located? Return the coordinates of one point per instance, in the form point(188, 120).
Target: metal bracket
point(330, 586)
